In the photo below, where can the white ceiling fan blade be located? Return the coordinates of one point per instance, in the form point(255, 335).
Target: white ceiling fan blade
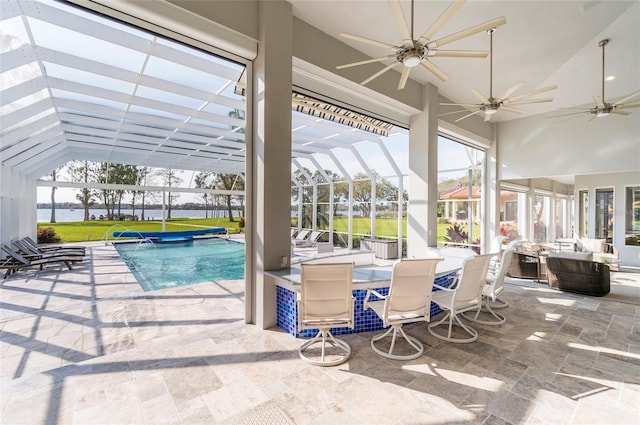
point(616, 111)
point(458, 53)
point(404, 77)
point(570, 114)
point(401, 22)
point(434, 70)
point(511, 89)
point(468, 115)
point(443, 19)
point(467, 105)
point(628, 105)
point(368, 40)
point(349, 65)
point(470, 31)
point(599, 101)
point(626, 98)
point(592, 117)
point(514, 110)
point(379, 73)
point(525, 102)
point(580, 109)
point(480, 96)
point(454, 112)
point(531, 93)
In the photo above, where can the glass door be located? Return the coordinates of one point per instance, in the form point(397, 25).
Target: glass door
point(604, 214)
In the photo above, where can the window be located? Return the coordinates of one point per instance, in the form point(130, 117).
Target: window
point(541, 218)
point(513, 206)
point(604, 214)
point(460, 185)
point(561, 218)
point(632, 216)
point(583, 213)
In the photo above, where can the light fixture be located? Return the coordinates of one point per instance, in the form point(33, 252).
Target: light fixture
point(602, 114)
point(490, 111)
point(610, 78)
point(411, 60)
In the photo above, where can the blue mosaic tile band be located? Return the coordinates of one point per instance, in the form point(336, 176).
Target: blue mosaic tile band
point(365, 320)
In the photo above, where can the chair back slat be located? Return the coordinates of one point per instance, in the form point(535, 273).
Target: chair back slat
point(326, 292)
point(472, 278)
point(496, 282)
point(411, 287)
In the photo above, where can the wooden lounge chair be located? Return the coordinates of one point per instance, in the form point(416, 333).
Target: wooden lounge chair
point(30, 251)
point(18, 261)
point(42, 249)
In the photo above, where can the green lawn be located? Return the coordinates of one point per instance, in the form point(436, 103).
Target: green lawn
point(96, 229)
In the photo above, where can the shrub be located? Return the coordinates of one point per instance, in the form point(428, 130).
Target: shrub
point(47, 235)
point(457, 235)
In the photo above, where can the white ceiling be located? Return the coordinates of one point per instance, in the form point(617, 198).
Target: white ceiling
point(543, 43)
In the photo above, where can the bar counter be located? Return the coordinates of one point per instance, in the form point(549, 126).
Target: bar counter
point(365, 276)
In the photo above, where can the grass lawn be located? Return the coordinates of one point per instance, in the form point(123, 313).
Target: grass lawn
point(95, 230)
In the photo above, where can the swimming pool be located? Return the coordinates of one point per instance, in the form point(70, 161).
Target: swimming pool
point(167, 265)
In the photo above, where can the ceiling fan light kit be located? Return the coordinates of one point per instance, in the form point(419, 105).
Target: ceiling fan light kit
point(417, 51)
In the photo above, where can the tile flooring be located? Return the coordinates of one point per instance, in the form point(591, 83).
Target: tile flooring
point(89, 347)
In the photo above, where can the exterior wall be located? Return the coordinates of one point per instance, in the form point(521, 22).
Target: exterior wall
point(629, 255)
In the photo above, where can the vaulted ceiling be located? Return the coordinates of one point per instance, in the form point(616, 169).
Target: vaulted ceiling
point(542, 43)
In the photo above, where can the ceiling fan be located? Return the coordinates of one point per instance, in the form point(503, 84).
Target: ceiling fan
point(413, 52)
point(604, 108)
point(490, 105)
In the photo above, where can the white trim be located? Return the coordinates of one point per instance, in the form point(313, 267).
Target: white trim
point(463, 135)
point(173, 21)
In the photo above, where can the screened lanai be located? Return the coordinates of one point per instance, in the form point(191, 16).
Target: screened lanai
point(78, 86)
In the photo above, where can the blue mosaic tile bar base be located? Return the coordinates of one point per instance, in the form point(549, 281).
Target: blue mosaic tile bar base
point(365, 320)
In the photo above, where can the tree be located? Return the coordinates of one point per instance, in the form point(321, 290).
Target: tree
point(85, 172)
point(169, 179)
point(142, 173)
point(385, 190)
point(203, 181)
point(228, 182)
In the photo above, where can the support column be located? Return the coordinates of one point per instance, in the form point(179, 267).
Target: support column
point(423, 176)
point(271, 159)
point(491, 197)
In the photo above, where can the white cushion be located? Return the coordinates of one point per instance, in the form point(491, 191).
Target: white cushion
point(572, 255)
point(593, 245)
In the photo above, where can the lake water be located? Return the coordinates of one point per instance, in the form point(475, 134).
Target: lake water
point(66, 215)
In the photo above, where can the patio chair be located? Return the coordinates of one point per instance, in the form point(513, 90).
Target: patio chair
point(491, 291)
point(464, 294)
point(20, 261)
point(29, 250)
point(33, 244)
point(300, 237)
point(326, 301)
point(309, 241)
point(409, 301)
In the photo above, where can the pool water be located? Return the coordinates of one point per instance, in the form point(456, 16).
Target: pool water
point(167, 265)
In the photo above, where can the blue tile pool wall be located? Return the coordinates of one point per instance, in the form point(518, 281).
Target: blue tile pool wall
point(365, 320)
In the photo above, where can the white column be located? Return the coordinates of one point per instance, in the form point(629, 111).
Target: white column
point(423, 175)
point(271, 156)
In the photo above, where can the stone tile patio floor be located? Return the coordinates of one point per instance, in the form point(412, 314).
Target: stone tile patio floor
point(89, 347)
